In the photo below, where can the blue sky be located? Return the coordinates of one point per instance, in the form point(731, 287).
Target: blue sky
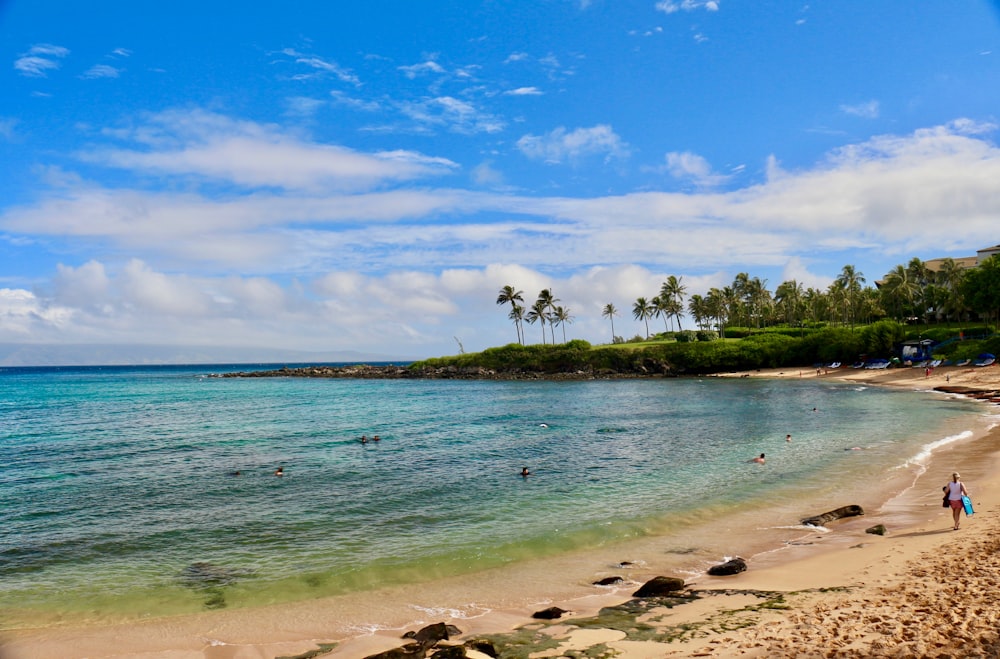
point(366, 176)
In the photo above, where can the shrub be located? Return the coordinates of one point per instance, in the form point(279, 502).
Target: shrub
point(707, 335)
point(685, 336)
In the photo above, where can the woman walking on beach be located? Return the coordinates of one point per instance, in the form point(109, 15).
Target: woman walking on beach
point(956, 490)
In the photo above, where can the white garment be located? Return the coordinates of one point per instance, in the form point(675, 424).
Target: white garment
point(954, 491)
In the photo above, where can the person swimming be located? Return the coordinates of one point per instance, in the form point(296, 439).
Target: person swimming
point(280, 471)
point(524, 472)
point(759, 459)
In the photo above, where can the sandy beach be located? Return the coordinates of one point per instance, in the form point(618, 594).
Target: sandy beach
point(921, 590)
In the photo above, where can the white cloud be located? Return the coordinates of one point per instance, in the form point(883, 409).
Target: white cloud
point(121, 52)
point(255, 155)
point(560, 145)
point(414, 70)
point(867, 110)
point(524, 91)
point(516, 57)
point(341, 98)
point(692, 167)
point(101, 71)
point(484, 174)
point(320, 67)
point(303, 106)
point(40, 59)
point(7, 126)
point(888, 195)
point(672, 6)
point(454, 114)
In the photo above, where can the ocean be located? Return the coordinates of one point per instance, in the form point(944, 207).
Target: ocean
point(119, 495)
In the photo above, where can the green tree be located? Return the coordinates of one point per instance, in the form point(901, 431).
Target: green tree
point(510, 295)
point(661, 307)
point(643, 310)
point(672, 293)
point(561, 316)
point(850, 281)
point(548, 302)
point(538, 313)
point(610, 311)
point(981, 288)
point(899, 292)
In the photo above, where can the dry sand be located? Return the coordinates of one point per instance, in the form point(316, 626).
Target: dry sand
point(921, 591)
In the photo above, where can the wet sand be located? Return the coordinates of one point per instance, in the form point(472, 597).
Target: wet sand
point(920, 590)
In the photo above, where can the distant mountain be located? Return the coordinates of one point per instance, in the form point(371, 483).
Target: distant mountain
point(37, 354)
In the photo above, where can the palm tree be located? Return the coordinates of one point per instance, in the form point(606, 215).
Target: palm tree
point(561, 317)
point(850, 280)
point(698, 308)
point(610, 311)
point(949, 277)
point(642, 310)
point(661, 308)
point(900, 291)
point(537, 313)
point(788, 297)
point(673, 290)
point(517, 315)
point(509, 295)
point(548, 302)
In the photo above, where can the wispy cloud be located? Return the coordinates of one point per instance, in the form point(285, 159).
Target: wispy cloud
point(320, 67)
point(340, 98)
point(524, 91)
point(40, 59)
point(101, 71)
point(257, 156)
point(672, 6)
point(7, 126)
point(303, 106)
point(453, 114)
point(413, 70)
point(561, 145)
point(516, 57)
point(867, 110)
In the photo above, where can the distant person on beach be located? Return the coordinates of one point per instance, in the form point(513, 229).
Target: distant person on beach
point(956, 490)
point(280, 471)
point(524, 472)
point(759, 459)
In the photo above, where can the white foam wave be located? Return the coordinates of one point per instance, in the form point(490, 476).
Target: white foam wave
point(921, 458)
point(455, 614)
point(799, 527)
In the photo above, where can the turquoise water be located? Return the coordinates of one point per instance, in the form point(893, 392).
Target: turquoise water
point(117, 495)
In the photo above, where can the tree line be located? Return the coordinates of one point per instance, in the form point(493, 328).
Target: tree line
point(908, 293)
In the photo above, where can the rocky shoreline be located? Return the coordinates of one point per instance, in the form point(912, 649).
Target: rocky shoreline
point(393, 372)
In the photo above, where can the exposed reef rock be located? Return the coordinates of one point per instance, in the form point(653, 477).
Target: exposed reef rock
point(729, 568)
point(840, 513)
point(659, 586)
point(391, 372)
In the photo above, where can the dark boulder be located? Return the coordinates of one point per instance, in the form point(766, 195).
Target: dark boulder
point(833, 515)
point(450, 652)
point(430, 634)
point(484, 646)
point(878, 529)
point(609, 581)
point(551, 613)
point(734, 566)
point(408, 651)
point(659, 586)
